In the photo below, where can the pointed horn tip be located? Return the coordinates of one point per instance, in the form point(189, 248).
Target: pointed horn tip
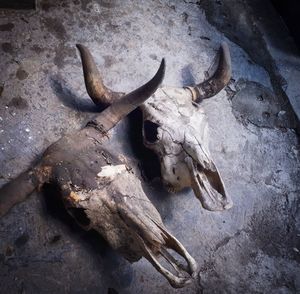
point(162, 67)
point(224, 45)
point(226, 53)
point(160, 74)
point(80, 47)
point(226, 63)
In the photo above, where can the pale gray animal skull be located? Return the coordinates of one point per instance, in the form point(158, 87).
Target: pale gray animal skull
point(175, 128)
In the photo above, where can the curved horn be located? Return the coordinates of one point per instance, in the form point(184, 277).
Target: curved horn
point(218, 80)
point(108, 118)
point(21, 187)
point(93, 81)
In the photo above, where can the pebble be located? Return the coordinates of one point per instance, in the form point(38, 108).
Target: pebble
point(96, 8)
point(281, 113)
point(27, 130)
point(295, 150)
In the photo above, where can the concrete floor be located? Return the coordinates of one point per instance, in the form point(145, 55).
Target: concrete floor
point(252, 248)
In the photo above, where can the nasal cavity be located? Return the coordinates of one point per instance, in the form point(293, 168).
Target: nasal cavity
point(80, 216)
point(150, 131)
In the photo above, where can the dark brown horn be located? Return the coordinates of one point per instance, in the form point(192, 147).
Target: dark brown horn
point(108, 118)
point(93, 81)
point(21, 187)
point(218, 80)
point(15, 191)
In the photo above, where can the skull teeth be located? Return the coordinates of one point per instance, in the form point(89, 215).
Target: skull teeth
point(171, 189)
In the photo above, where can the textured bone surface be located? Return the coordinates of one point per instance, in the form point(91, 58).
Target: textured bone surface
point(113, 203)
point(251, 248)
point(175, 128)
point(121, 212)
point(110, 172)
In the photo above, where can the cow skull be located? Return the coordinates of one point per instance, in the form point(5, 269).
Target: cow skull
point(121, 212)
point(175, 128)
point(102, 193)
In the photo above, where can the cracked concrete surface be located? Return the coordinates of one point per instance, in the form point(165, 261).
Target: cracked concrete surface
point(253, 247)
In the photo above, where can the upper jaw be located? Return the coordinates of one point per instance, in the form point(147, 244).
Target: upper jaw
point(209, 188)
point(155, 243)
point(212, 200)
point(181, 274)
point(206, 183)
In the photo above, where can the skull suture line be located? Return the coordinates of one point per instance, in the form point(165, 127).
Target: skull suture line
point(101, 192)
point(175, 128)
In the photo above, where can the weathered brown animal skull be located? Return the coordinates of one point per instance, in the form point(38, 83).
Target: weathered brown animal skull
point(175, 128)
point(120, 211)
point(102, 193)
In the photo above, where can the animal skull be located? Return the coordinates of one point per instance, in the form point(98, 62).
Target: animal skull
point(175, 128)
point(102, 193)
point(121, 212)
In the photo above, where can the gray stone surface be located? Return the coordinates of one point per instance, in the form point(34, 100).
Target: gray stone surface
point(252, 248)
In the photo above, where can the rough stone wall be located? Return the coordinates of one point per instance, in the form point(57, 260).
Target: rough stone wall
point(252, 248)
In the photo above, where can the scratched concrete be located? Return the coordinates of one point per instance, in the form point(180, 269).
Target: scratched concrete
point(252, 248)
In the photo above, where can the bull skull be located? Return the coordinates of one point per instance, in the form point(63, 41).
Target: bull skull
point(120, 211)
point(102, 193)
point(175, 128)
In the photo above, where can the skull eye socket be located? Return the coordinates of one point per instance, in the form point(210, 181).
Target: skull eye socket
point(150, 131)
point(80, 216)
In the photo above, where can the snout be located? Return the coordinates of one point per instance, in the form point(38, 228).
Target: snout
point(212, 200)
point(158, 246)
point(208, 187)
